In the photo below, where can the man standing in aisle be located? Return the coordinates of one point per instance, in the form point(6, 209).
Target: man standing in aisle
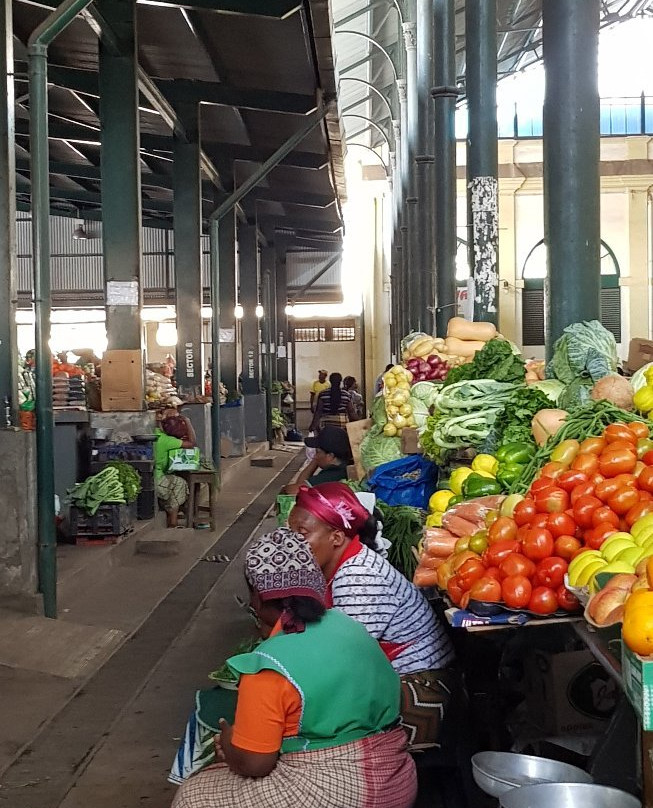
point(318, 386)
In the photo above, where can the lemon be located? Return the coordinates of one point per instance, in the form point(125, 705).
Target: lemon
point(440, 500)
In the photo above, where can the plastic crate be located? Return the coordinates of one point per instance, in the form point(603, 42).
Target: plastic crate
point(146, 504)
point(121, 451)
point(112, 519)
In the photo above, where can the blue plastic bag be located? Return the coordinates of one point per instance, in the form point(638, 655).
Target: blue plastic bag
point(408, 481)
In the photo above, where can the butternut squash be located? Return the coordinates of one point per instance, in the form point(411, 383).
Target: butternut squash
point(462, 347)
point(464, 329)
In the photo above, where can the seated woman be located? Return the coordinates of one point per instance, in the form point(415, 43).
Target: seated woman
point(332, 456)
point(312, 728)
point(368, 588)
point(171, 490)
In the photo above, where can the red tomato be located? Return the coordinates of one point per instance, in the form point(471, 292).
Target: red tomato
point(464, 601)
point(584, 509)
point(626, 479)
point(647, 459)
point(623, 500)
point(587, 463)
point(454, 589)
point(543, 600)
point(539, 520)
point(639, 429)
point(605, 514)
point(517, 564)
point(639, 468)
point(568, 480)
point(553, 469)
point(566, 599)
point(617, 461)
point(537, 544)
point(619, 432)
point(606, 489)
point(645, 496)
point(583, 490)
point(550, 572)
point(469, 572)
point(642, 508)
point(560, 524)
point(493, 572)
point(595, 537)
point(524, 512)
point(592, 446)
point(516, 591)
point(540, 484)
point(551, 500)
point(495, 553)
point(596, 479)
point(503, 528)
point(566, 547)
point(645, 479)
point(486, 589)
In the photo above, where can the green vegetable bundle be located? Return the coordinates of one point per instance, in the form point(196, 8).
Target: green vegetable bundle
point(129, 478)
point(513, 423)
point(98, 490)
point(584, 422)
point(402, 526)
point(497, 360)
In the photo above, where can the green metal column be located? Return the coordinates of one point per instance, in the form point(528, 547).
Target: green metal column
point(228, 345)
point(411, 248)
point(216, 278)
point(402, 241)
point(249, 290)
point(267, 266)
point(187, 219)
point(445, 94)
point(422, 276)
point(482, 157)
point(281, 294)
point(570, 34)
point(8, 350)
point(121, 176)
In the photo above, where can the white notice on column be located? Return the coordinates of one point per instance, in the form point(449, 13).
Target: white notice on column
point(122, 293)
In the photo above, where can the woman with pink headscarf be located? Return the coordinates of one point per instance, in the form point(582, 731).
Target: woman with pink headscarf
point(369, 589)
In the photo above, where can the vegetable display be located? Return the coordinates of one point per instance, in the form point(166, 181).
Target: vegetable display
point(513, 423)
point(396, 393)
point(377, 448)
point(402, 526)
point(496, 361)
point(129, 478)
point(97, 490)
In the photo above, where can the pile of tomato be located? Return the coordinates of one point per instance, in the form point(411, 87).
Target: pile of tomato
point(588, 491)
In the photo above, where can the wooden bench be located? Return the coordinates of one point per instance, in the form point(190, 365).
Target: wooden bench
point(195, 511)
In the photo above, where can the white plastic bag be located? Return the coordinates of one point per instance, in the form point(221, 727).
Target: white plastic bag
point(310, 453)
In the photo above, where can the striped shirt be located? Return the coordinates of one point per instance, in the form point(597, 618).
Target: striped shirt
point(369, 589)
point(325, 400)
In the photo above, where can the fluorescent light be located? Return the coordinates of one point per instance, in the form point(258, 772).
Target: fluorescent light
point(289, 310)
point(259, 311)
point(157, 314)
point(238, 311)
point(166, 335)
point(207, 312)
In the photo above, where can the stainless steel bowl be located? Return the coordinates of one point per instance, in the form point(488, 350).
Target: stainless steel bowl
point(101, 433)
point(568, 795)
point(499, 772)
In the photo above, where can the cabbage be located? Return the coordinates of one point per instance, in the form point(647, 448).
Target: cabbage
point(585, 350)
point(551, 388)
point(376, 449)
point(426, 392)
point(379, 415)
point(638, 381)
point(420, 412)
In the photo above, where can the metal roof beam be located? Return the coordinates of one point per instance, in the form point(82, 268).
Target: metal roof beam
point(322, 271)
point(208, 92)
point(277, 9)
point(292, 223)
point(291, 197)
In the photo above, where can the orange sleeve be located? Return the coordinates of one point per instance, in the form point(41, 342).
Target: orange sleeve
point(268, 709)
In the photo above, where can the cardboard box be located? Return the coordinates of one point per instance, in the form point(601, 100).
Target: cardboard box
point(638, 684)
point(184, 459)
point(356, 430)
point(640, 352)
point(410, 442)
point(568, 693)
point(123, 381)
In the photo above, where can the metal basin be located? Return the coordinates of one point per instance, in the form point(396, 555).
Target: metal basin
point(499, 772)
point(568, 795)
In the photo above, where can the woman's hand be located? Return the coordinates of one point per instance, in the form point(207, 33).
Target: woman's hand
point(223, 745)
point(240, 761)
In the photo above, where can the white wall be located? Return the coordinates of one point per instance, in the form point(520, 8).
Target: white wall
point(335, 357)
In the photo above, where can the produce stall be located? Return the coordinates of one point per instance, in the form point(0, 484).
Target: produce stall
point(539, 512)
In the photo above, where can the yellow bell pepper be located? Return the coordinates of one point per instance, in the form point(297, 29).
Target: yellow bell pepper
point(440, 500)
point(458, 477)
point(434, 519)
point(643, 399)
point(485, 462)
point(637, 628)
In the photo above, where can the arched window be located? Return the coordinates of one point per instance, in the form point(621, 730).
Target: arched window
point(533, 275)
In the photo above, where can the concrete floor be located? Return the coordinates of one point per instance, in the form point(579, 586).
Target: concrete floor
point(93, 704)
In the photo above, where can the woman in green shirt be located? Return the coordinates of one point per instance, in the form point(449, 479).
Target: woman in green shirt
point(171, 490)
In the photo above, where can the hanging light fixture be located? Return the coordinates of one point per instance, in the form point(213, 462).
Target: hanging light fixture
point(238, 311)
point(289, 310)
point(259, 311)
point(166, 335)
point(79, 234)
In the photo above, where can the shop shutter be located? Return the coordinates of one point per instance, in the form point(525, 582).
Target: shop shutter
point(611, 311)
point(532, 314)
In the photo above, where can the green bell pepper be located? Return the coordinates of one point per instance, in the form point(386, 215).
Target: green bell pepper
point(477, 486)
point(455, 501)
point(509, 473)
point(520, 452)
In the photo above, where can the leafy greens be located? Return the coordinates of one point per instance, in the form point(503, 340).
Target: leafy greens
point(496, 360)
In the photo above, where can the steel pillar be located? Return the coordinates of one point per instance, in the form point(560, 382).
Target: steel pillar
point(422, 277)
point(401, 190)
point(482, 157)
point(228, 346)
point(570, 36)
point(445, 94)
point(267, 297)
point(121, 176)
point(403, 284)
point(410, 199)
point(249, 290)
point(8, 350)
point(281, 295)
point(216, 279)
point(411, 289)
point(187, 224)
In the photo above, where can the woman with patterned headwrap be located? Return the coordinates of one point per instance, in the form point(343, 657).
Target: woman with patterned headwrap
point(364, 585)
point(317, 713)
